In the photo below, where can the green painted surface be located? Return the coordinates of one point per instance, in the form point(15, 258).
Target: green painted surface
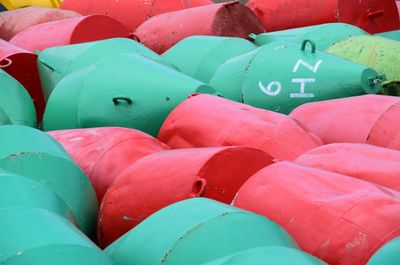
point(379, 53)
point(4, 119)
point(193, 232)
point(323, 35)
point(281, 76)
point(21, 192)
point(129, 91)
point(200, 56)
point(16, 102)
point(269, 255)
point(389, 254)
point(55, 63)
point(37, 237)
point(393, 35)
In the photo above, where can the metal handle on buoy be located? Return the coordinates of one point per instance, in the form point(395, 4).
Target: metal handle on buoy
point(118, 99)
point(304, 44)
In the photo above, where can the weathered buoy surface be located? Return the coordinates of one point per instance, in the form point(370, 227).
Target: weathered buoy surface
point(370, 15)
point(131, 13)
point(323, 35)
point(21, 192)
point(21, 64)
point(368, 119)
point(193, 224)
point(367, 162)
point(14, 21)
point(146, 92)
point(69, 31)
point(379, 53)
point(206, 54)
point(176, 175)
point(35, 236)
point(230, 19)
point(393, 35)
point(207, 121)
point(103, 153)
point(268, 255)
point(281, 76)
point(57, 62)
point(16, 102)
point(329, 215)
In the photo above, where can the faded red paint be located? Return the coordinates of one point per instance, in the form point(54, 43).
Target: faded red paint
point(164, 178)
point(103, 153)
point(131, 13)
point(227, 19)
point(21, 64)
point(340, 219)
point(371, 119)
point(362, 161)
point(69, 31)
point(205, 120)
point(371, 15)
point(14, 21)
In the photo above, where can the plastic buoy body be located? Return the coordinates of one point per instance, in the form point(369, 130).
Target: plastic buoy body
point(193, 224)
point(21, 192)
point(103, 153)
point(227, 19)
point(389, 254)
point(323, 35)
point(206, 54)
point(370, 15)
point(176, 175)
point(329, 215)
point(368, 119)
point(220, 122)
point(16, 102)
point(55, 63)
point(21, 65)
point(33, 154)
point(268, 255)
point(131, 13)
point(15, 4)
point(35, 236)
point(146, 92)
point(393, 35)
point(379, 53)
point(69, 31)
point(367, 162)
point(15, 21)
point(281, 76)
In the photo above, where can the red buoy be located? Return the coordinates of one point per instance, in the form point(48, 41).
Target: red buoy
point(163, 178)
point(370, 15)
point(363, 161)
point(205, 120)
point(14, 21)
point(69, 31)
point(21, 65)
point(103, 153)
point(340, 219)
point(371, 119)
point(131, 13)
point(226, 19)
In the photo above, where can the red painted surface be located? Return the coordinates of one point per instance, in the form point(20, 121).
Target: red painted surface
point(398, 7)
point(206, 120)
point(69, 31)
point(340, 219)
point(164, 178)
point(371, 119)
point(21, 64)
point(371, 15)
point(362, 161)
point(103, 153)
point(131, 13)
point(14, 21)
point(227, 19)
